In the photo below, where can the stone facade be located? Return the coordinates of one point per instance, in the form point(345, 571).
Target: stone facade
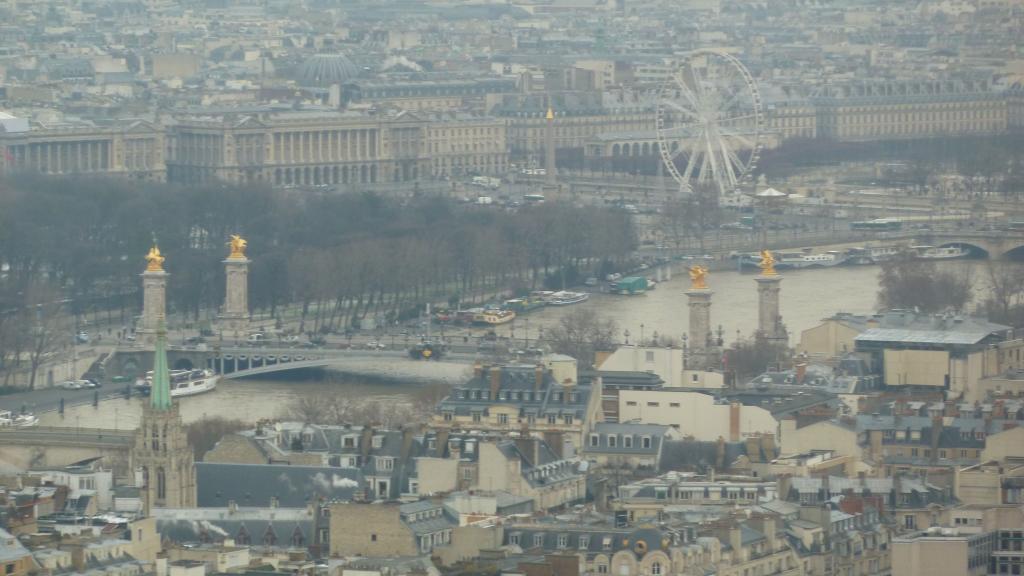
point(133, 149)
point(700, 328)
point(234, 318)
point(165, 457)
point(369, 530)
point(154, 304)
point(769, 321)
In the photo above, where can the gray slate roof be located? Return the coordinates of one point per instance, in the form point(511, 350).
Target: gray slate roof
point(293, 486)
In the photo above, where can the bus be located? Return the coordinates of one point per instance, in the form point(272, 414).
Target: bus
point(878, 225)
point(533, 198)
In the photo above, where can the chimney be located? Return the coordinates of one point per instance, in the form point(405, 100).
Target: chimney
point(78, 557)
point(495, 381)
point(478, 370)
point(736, 540)
point(529, 447)
point(801, 371)
point(765, 523)
point(274, 502)
point(232, 506)
point(734, 422)
point(554, 440)
point(441, 441)
point(937, 424)
point(538, 379)
point(408, 435)
point(365, 441)
point(720, 453)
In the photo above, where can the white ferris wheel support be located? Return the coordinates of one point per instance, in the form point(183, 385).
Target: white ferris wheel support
point(710, 122)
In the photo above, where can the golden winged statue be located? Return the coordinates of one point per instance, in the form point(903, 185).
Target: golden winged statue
point(237, 245)
point(698, 277)
point(767, 263)
point(155, 260)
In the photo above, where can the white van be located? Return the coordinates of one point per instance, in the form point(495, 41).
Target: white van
point(256, 338)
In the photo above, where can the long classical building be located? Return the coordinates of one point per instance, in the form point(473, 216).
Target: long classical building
point(909, 109)
point(324, 147)
point(132, 148)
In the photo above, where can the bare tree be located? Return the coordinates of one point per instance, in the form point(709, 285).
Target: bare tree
point(581, 333)
point(204, 434)
point(1005, 303)
point(910, 283)
point(43, 328)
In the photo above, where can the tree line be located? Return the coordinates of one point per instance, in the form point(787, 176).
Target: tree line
point(74, 246)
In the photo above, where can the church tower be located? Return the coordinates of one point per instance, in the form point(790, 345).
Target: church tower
point(161, 445)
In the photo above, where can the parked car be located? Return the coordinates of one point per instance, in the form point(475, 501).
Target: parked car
point(82, 337)
point(71, 385)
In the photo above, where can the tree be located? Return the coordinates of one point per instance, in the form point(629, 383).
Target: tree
point(748, 358)
point(204, 434)
point(1005, 303)
point(581, 334)
point(910, 283)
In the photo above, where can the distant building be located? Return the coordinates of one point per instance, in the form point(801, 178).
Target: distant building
point(544, 400)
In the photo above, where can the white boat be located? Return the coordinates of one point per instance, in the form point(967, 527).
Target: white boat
point(806, 260)
point(884, 253)
point(9, 419)
point(942, 253)
point(565, 298)
point(186, 382)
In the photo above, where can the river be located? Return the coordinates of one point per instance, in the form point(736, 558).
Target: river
point(806, 297)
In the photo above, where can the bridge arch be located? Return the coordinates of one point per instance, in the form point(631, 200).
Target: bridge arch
point(976, 250)
point(1015, 253)
point(183, 364)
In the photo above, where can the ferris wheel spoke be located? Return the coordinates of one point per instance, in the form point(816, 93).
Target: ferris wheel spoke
point(737, 118)
point(691, 161)
point(712, 158)
point(680, 108)
point(683, 130)
point(685, 90)
point(739, 137)
point(727, 159)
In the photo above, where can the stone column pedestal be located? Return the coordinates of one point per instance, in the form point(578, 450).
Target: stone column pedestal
point(234, 318)
point(700, 328)
point(154, 306)
point(769, 321)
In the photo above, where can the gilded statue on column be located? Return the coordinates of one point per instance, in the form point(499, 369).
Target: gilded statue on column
point(698, 277)
point(237, 244)
point(767, 263)
point(155, 260)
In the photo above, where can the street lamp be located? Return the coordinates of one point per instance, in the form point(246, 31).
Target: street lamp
point(626, 334)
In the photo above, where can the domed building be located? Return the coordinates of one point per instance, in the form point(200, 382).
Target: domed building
point(325, 70)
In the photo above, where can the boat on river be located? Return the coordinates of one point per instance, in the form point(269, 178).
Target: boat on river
point(494, 317)
point(184, 382)
point(22, 420)
point(566, 298)
point(798, 260)
point(524, 305)
point(942, 253)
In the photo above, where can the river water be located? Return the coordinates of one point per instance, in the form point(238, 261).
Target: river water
point(806, 297)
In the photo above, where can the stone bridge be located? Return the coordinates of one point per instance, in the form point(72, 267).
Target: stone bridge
point(241, 362)
point(995, 244)
point(46, 447)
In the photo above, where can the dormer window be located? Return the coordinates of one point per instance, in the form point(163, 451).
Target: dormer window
point(613, 441)
point(627, 442)
point(377, 441)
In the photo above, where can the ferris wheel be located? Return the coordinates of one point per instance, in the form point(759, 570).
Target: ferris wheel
point(710, 122)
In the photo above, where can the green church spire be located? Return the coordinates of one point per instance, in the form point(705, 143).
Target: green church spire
point(160, 391)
